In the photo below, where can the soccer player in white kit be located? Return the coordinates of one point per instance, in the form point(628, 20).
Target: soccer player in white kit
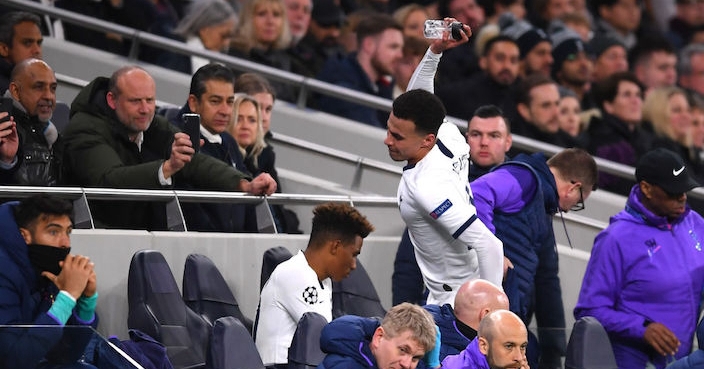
point(451, 244)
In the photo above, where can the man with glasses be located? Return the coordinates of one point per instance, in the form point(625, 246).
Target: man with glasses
point(646, 272)
point(517, 201)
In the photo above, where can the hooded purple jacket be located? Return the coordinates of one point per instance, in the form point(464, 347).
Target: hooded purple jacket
point(469, 358)
point(645, 269)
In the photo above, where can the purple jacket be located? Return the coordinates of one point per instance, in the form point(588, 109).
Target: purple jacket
point(469, 358)
point(644, 269)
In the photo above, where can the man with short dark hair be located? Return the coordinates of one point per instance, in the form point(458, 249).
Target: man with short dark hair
point(304, 282)
point(380, 44)
point(494, 85)
point(212, 96)
point(41, 283)
point(654, 62)
point(489, 138)
point(690, 68)
point(20, 39)
point(115, 140)
point(36, 160)
point(644, 278)
point(401, 340)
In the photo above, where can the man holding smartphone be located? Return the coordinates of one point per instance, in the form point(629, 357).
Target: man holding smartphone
point(28, 156)
point(209, 109)
point(114, 139)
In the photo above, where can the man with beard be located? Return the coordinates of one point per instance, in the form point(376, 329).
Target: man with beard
point(321, 42)
point(380, 44)
point(500, 344)
point(41, 283)
point(494, 85)
point(571, 67)
point(31, 156)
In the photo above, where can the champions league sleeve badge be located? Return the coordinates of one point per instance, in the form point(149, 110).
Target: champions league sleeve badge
point(310, 295)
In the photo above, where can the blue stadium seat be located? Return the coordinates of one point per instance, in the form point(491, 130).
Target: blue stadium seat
point(272, 257)
point(236, 349)
point(356, 295)
point(589, 346)
point(305, 352)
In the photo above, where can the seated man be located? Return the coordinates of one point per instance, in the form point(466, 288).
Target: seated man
point(475, 299)
point(501, 343)
point(115, 140)
point(40, 282)
point(303, 283)
point(20, 39)
point(400, 340)
point(35, 161)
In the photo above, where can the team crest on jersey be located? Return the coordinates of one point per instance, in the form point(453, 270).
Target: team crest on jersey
point(310, 295)
point(435, 214)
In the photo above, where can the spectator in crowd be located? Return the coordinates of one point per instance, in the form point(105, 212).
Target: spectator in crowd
point(546, 11)
point(435, 182)
point(539, 109)
point(501, 342)
point(304, 282)
point(618, 19)
point(569, 114)
point(689, 16)
point(617, 135)
point(263, 36)
point(42, 283)
point(207, 25)
point(494, 10)
point(668, 112)
point(413, 51)
point(652, 248)
point(696, 104)
point(412, 18)
point(348, 32)
point(299, 14)
point(115, 140)
point(401, 339)
point(609, 56)
point(258, 87)
point(322, 41)
point(489, 138)
point(20, 38)
point(494, 85)
point(458, 326)
point(517, 200)
point(212, 96)
point(579, 23)
point(246, 127)
point(380, 41)
point(533, 43)
point(36, 159)
point(461, 62)
point(654, 62)
point(690, 68)
point(571, 67)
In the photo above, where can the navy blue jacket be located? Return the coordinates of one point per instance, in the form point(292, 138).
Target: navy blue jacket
point(24, 299)
point(533, 286)
point(346, 72)
point(346, 340)
point(452, 340)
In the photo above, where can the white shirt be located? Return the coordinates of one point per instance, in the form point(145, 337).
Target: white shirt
point(292, 290)
point(451, 244)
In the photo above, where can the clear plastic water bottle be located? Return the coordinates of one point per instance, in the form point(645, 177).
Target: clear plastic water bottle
point(433, 29)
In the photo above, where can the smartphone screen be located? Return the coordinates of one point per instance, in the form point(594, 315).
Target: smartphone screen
point(192, 128)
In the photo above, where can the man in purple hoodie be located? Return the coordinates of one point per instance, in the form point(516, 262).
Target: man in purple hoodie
point(644, 279)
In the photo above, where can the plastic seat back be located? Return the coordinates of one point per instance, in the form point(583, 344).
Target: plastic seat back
point(232, 346)
point(157, 309)
point(589, 346)
point(272, 257)
point(356, 295)
point(305, 352)
point(207, 293)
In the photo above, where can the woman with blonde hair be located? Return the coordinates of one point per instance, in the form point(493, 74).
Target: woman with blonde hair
point(667, 109)
point(246, 128)
point(412, 18)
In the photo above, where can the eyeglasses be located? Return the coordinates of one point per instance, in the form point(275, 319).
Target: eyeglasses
point(580, 204)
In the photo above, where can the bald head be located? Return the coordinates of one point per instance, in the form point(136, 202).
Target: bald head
point(475, 299)
point(33, 85)
point(503, 339)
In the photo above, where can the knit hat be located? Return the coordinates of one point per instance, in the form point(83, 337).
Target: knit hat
point(566, 43)
point(525, 35)
point(666, 170)
point(600, 43)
